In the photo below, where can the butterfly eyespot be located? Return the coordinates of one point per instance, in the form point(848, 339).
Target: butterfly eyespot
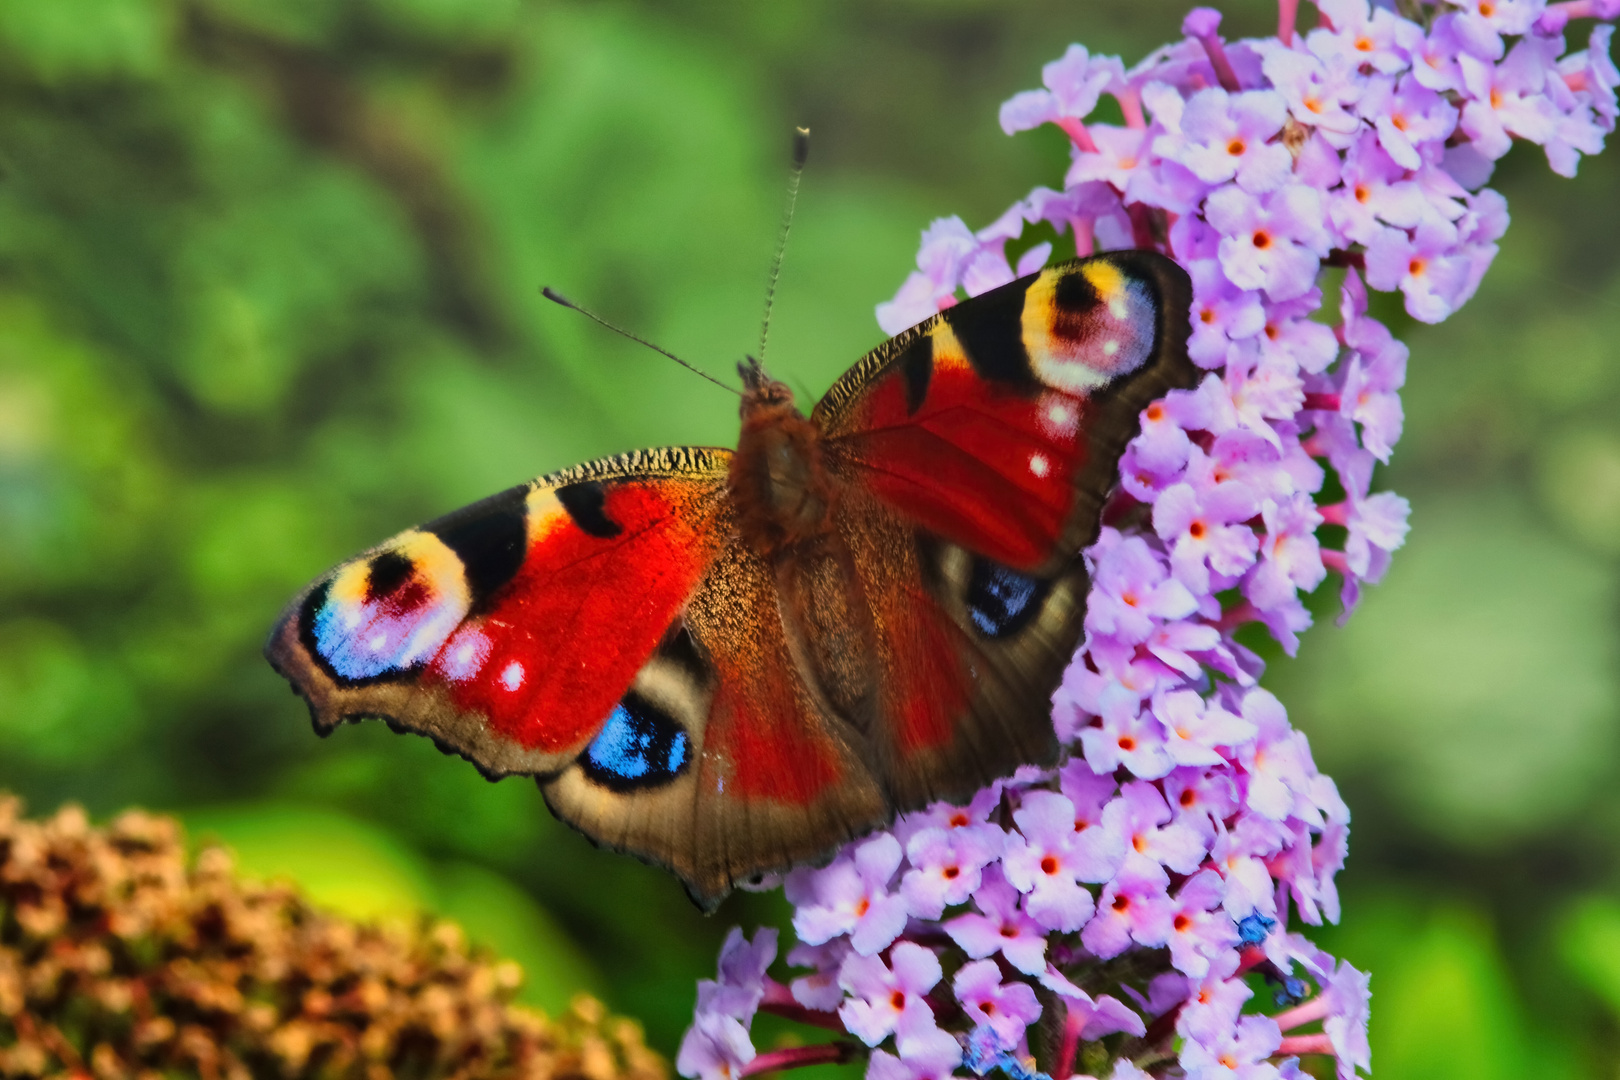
point(1001, 601)
point(640, 746)
point(384, 616)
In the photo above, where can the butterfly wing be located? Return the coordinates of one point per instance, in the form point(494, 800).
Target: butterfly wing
point(508, 630)
point(977, 451)
point(603, 630)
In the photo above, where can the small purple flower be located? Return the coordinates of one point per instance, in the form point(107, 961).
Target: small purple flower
point(1120, 153)
point(1407, 116)
point(1481, 24)
point(715, 1047)
point(851, 896)
point(1345, 995)
point(1154, 837)
point(880, 993)
point(1362, 37)
point(1193, 730)
point(1273, 242)
point(1199, 929)
point(1073, 85)
point(1278, 761)
point(1001, 928)
point(1317, 90)
point(1222, 313)
point(1290, 557)
point(1212, 1008)
point(1005, 1008)
point(1506, 99)
point(819, 990)
point(926, 1052)
point(1201, 519)
point(1128, 737)
point(1200, 798)
point(1434, 55)
point(1424, 265)
point(1227, 137)
point(946, 247)
point(1239, 855)
point(1135, 906)
point(1264, 385)
point(1239, 1055)
point(946, 868)
point(1132, 592)
point(1049, 860)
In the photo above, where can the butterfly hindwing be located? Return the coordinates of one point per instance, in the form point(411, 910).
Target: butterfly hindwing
point(777, 778)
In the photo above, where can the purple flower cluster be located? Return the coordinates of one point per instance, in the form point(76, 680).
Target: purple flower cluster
point(1138, 896)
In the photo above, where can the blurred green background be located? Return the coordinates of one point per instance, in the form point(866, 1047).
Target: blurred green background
point(269, 281)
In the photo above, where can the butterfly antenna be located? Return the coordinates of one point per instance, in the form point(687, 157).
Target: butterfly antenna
point(558, 298)
point(801, 151)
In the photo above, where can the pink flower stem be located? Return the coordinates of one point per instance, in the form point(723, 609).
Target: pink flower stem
point(1072, 1025)
point(778, 1001)
point(1335, 513)
point(1322, 402)
point(1084, 243)
point(1336, 561)
point(1314, 1009)
point(1287, 16)
point(1240, 613)
point(1306, 1044)
point(1130, 103)
point(797, 1057)
point(1220, 62)
point(1077, 133)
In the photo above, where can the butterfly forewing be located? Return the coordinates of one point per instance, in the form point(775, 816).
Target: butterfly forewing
point(509, 630)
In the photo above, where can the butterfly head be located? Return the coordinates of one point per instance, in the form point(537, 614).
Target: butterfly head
point(761, 393)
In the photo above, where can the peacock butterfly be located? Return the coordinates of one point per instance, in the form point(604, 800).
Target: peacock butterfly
point(728, 663)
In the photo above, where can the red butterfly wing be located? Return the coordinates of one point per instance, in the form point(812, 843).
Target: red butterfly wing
point(977, 450)
point(509, 630)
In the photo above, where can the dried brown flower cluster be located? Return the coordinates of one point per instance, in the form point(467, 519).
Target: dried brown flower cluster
point(119, 957)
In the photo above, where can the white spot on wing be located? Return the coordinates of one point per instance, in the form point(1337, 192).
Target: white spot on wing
point(512, 675)
point(1039, 465)
point(1110, 347)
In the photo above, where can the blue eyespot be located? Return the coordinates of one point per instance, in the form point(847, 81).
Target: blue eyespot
point(639, 746)
point(1000, 601)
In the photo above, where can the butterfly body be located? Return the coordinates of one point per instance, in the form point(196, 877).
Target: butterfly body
point(730, 662)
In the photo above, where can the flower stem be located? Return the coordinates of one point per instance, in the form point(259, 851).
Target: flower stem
point(778, 1001)
point(1306, 1044)
point(1314, 1009)
point(1064, 1066)
point(797, 1057)
point(1077, 133)
point(1287, 16)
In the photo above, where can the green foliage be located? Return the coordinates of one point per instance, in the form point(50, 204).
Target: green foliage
point(269, 276)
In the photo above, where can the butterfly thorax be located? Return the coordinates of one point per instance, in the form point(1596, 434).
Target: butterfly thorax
point(779, 486)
